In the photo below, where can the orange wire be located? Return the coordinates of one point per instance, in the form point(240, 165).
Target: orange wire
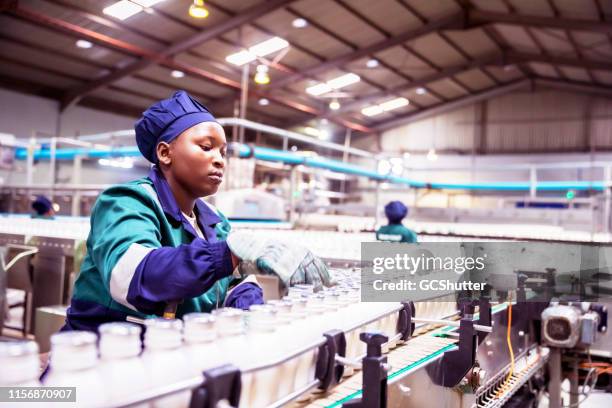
point(508, 340)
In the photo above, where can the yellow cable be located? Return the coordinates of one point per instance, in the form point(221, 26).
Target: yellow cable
point(508, 340)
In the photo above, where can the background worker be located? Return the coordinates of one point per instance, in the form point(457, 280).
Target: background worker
point(395, 231)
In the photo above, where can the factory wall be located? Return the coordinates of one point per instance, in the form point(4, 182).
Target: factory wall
point(25, 116)
point(524, 122)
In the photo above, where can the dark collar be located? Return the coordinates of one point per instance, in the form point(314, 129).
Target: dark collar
point(206, 215)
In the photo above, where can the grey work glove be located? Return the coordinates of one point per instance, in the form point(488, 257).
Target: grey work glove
point(293, 264)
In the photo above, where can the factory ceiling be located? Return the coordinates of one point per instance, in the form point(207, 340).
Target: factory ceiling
point(393, 60)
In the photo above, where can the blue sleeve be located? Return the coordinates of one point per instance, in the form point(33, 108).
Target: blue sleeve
point(168, 274)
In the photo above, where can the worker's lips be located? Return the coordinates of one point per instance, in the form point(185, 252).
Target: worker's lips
point(215, 178)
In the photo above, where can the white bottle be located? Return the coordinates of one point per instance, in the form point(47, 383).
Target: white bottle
point(232, 343)
point(200, 335)
point(287, 326)
point(74, 358)
point(262, 341)
point(20, 364)
point(164, 361)
point(121, 367)
point(20, 367)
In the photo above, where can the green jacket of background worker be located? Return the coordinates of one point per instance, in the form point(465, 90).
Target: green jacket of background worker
point(395, 231)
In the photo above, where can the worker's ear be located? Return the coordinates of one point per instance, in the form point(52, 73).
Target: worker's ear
point(164, 155)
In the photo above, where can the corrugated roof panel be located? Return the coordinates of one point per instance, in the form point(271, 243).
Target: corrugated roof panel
point(490, 5)
point(541, 69)
point(474, 42)
point(475, 79)
point(390, 15)
point(339, 21)
point(405, 62)
point(240, 5)
point(536, 8)
point(554, 41)
point(379, 74)
point(65, 14)
point(142, 84)
point(424, 100)
point(49, 60)
point(447, 88)
point(188, 82)
point(435, 9)
point(125, 98)
point(576, 74)
point(435, 49)
point(517, 37)
point(54, 39)
point(603, 76)
point(505, 74)
point(577, 9)
point(37, 76)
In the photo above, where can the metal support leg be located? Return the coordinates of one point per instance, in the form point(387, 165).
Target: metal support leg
point(554, 385)
point(573, 378)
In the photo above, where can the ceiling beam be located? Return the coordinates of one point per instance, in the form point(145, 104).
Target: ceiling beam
point(452, 21)
point(112, 43)
point(148, 59)
point(480, 17)
point(574, 86)
point(521, 84)
point(559, 60)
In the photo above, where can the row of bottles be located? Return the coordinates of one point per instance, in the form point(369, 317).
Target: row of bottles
point(115, 365)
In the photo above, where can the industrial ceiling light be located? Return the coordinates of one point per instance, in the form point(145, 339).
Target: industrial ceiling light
point(84, 44)
point(385, 106)
point(258, 50)
point(421, 91)
point(123, 9)
point(334, 104)
point(197, 9)
point(177, 74)
point(336, 83)
point(372, 63)
point(299, 23)
point(261, 76)
point(127, 8)
point(263, 102)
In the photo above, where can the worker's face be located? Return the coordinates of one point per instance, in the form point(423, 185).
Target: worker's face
point(196, 158)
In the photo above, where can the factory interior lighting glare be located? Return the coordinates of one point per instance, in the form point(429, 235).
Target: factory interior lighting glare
point(263, 102)
point(197, 9)
point(432, 155)
point(261, 76)
point(177, 74)
point(258, 50)
point(334, 105)
point(127, 8)
point(322, 134)
point(123, 162)
point(385, 106)
point(299, 23)
point(372, 63)
point(421, 91)
point(336, 83)
point(84, 44)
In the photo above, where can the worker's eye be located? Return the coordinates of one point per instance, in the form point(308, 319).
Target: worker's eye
point(206, 148)
point(223, 152)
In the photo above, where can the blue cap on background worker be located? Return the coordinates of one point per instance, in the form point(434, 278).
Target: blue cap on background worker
point(395, 231)
point(43, 207)
point(153, 242)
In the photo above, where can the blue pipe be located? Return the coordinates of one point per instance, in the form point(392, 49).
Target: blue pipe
point(267, 154)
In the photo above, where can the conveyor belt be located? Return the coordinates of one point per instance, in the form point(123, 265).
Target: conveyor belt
point(417, 351)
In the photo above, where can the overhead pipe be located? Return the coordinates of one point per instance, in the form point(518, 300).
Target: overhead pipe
point(274, 155)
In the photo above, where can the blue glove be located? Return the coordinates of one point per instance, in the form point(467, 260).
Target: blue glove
point(244, 295)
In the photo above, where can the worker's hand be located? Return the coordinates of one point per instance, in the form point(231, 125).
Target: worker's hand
point(293, 264)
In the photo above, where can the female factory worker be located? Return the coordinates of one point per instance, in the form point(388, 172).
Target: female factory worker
point(153, 242)
point(395, 231)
